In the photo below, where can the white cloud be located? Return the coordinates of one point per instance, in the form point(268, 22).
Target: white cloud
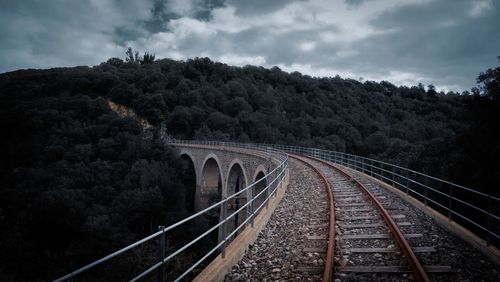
point(308, 69)
point(225, 19)
point(233, 59)
point(307, 46)
point(479, 7)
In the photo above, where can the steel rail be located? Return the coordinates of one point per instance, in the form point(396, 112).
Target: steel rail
point(417, 268)
point(328, 271)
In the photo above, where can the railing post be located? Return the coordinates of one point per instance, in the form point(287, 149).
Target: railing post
point(161, 243)
point(252, 205)
point(488, 226)
point(450, 195)
point(224, 227)
point(393, 173)
point(425, 190)
point(267, 194)
point(408, 182)
point(381, 172)
point(275, 190)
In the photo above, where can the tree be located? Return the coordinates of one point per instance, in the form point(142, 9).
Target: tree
point(479, 153)
point(377, 142)
point(130, 58)
point(148, 58)
point(115, 61)
point(134, 57)
point(431, 90)
point(236, 105)
point(489, 83)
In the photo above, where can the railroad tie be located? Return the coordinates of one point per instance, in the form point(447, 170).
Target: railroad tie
point(377, 236)
point(388, 250)
point(393, 269)
point(370, 225)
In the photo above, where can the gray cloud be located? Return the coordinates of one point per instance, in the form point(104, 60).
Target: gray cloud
point(443, 42)
point(440, 41)
point(52, 33)
point(258, 7)
point(355, 3)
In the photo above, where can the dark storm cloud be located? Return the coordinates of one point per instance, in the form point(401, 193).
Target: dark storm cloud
point(159, 16)
point(58, 33)
point(203, 8)
point(162, 12)
point(454, 40)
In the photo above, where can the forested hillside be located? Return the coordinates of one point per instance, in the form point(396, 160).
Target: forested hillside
point(79, 180)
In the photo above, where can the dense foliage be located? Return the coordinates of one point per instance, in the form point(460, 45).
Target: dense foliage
point(201, 99)
point(475, 158)
point(78, 180)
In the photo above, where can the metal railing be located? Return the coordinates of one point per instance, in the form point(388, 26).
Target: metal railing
point(272, 180)
point(474, 210)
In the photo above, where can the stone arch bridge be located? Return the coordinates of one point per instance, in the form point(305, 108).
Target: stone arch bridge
point(223, 171)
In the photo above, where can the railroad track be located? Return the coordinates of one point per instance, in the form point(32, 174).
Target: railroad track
point(368, 237)
point(320, 223)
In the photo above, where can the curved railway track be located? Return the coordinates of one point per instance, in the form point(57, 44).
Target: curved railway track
point(354, 204)
point(328, 269)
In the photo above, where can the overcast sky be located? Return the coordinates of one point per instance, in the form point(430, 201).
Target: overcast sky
point(441, 42)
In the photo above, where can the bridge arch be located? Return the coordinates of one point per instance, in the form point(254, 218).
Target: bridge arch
point(236, 170)
point(259, 174)
point(190, 179)
point(211, 182)
point(260, 171)
point(236, 181)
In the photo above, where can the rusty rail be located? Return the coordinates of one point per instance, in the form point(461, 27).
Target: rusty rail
point(415, 265)
point(328, 271)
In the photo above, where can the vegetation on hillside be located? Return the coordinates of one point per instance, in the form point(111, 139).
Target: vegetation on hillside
point(79, 180)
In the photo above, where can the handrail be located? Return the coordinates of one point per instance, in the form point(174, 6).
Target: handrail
point(273, 179)
point(484, 220)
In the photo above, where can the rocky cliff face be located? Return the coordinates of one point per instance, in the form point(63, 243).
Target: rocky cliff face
point(124, 111)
